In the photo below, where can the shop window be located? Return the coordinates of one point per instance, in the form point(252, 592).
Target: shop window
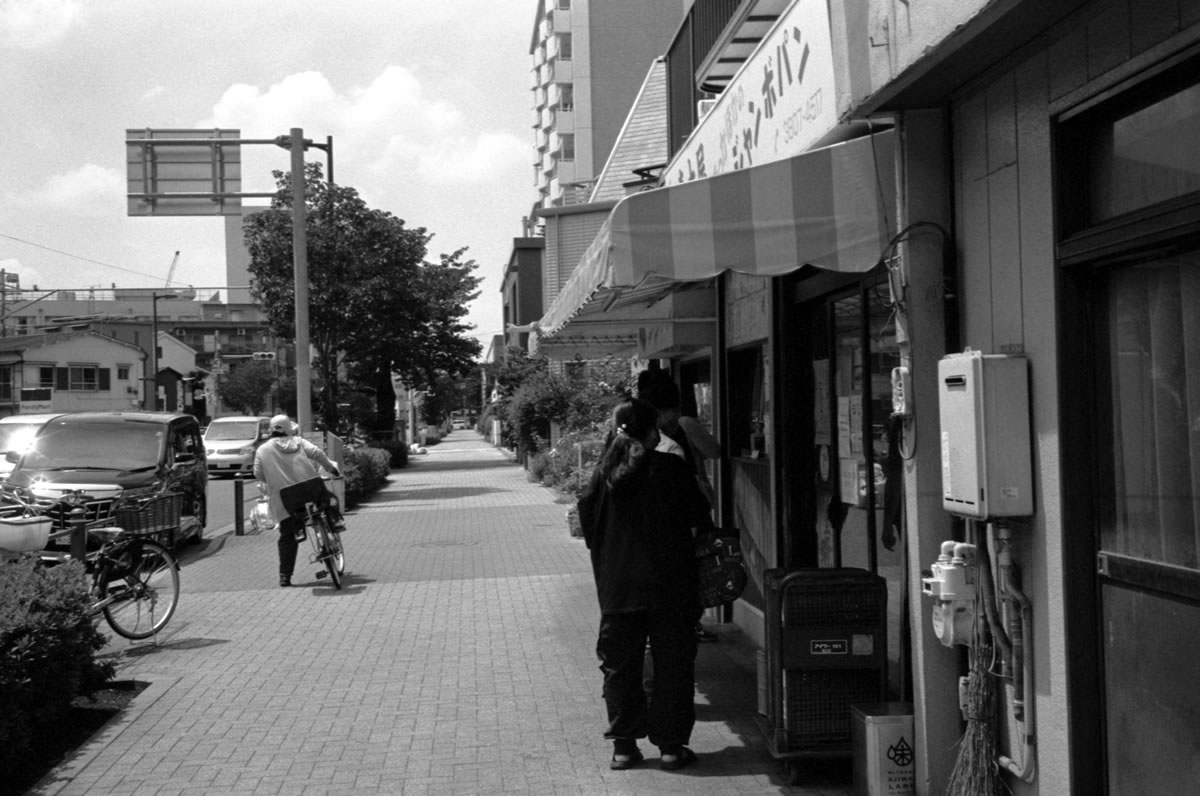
point(749, 402)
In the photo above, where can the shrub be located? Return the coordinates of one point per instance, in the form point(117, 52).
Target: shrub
point(539, 463)
point(396, 449)
point(573, 457)
point(366, 469)
point(48, 643)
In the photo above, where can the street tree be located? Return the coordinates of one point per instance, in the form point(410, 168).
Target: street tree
point(376, 306)
point(247, 387)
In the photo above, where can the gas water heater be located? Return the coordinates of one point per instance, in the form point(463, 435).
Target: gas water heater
point(983, 400)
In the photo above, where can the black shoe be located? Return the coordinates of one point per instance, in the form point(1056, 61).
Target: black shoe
point(337, 527)
point(676, 758)
point(285, 580)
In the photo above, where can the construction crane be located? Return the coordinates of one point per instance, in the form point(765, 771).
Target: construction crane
point(171, 271)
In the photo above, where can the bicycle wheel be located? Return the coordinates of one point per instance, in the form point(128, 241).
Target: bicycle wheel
point(327, 553)
point(144, 595)
point(337, 550)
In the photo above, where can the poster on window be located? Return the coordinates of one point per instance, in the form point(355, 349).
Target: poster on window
point(822, 428)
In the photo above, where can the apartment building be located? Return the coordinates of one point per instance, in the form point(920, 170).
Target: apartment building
point(589, 61)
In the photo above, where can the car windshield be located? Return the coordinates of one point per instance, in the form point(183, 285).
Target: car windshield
point(237, 429)
point(17, 436)
point(104, 446)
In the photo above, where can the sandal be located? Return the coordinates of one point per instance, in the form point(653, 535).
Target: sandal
point(674, 762)
point(623, 762)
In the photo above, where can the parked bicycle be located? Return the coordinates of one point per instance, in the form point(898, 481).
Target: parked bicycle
point(133, 579)
point(308, 501)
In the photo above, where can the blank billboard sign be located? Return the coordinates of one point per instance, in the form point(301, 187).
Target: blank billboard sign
point(183, 172)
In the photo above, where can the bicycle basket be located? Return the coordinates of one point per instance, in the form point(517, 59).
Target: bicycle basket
point(161, 513)
point(295, 496)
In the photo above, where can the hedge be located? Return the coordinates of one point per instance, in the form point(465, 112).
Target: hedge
point(48, 644)
point(365, 469)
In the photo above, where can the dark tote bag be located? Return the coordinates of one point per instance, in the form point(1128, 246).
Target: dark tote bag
point(720, 565)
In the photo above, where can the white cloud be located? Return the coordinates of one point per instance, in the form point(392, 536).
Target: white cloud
point(386, 128)
point(472, 160)
point(89, 190)
point(33, 24)
point(29, 276)
point(154, 92)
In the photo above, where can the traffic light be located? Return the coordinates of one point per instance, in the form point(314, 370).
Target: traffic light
point(263, 356)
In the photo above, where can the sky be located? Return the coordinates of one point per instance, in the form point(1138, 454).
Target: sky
point(428, 104)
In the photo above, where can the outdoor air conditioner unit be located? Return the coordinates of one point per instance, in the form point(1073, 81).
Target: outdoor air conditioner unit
point(703, 107)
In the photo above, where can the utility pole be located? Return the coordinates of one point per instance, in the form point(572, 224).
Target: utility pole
point(300, 264)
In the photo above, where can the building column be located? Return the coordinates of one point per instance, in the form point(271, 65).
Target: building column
point(924, 183)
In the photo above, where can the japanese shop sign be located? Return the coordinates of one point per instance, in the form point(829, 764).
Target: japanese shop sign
point(777, 106)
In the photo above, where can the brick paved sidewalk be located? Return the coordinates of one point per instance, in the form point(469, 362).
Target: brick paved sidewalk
point(458, 658)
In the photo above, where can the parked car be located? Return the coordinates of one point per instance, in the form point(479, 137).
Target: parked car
point(16, 433)
point(230, 443)
point(120, 460)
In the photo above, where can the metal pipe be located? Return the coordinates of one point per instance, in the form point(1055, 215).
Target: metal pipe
point(1026, 769)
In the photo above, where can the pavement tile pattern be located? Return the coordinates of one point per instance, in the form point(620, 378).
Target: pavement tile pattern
point(458, 658)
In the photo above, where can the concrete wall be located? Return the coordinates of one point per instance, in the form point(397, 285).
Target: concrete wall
point(626, 37)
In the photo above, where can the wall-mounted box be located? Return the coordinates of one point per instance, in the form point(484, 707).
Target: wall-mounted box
point(983, 402)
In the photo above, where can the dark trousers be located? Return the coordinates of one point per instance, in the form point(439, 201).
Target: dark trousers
point(288, 545)
point(668, 714)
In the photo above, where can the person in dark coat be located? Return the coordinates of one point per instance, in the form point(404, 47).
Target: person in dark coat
point(638, 513)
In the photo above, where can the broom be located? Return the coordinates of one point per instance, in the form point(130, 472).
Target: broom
point(976, 772)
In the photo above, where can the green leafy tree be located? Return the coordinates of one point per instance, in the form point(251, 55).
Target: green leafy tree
point(247, 388)
point(376, 307)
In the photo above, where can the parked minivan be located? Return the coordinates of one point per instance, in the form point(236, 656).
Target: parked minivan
point(118, 459)
point(16, 433)
point(231, 442)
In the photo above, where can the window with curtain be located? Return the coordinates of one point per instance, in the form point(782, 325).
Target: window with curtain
point(1153, 345)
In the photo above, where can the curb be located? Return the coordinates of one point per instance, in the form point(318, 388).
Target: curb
point(64, 774)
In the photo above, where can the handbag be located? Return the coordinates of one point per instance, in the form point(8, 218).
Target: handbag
point(720, 566)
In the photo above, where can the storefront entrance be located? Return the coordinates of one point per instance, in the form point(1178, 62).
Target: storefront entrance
point(843, 471)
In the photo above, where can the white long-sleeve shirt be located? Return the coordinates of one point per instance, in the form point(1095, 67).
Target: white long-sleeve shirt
point(283, 461)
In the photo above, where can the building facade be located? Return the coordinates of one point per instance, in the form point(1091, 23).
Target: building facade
point(877, 189)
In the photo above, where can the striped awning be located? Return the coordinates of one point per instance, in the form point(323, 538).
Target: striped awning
point(827, 208)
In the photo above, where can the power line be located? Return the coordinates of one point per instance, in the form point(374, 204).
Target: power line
point(79, 257)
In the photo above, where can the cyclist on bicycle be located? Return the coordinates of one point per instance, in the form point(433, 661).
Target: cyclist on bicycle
point(281, 461)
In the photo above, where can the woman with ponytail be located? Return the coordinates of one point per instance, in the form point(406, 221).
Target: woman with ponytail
point(638, 515)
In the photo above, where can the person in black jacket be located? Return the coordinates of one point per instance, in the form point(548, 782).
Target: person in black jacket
point(638, 513)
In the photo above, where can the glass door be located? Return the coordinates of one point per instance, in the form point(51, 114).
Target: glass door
point(858, 475)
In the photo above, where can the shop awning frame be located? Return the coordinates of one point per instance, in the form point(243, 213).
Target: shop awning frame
point(830, 208)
